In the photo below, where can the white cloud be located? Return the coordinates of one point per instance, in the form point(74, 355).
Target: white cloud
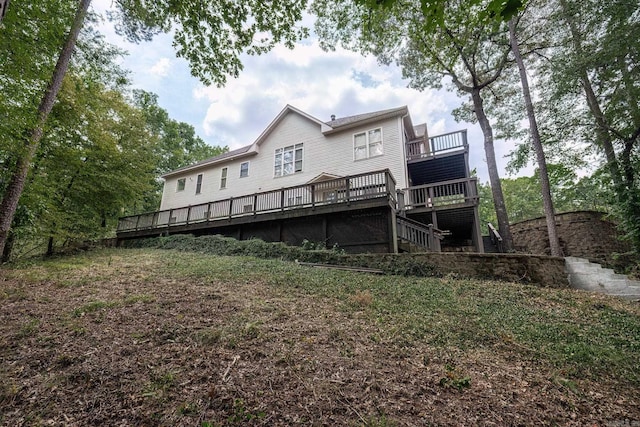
point(161, 67)
point(320, 83)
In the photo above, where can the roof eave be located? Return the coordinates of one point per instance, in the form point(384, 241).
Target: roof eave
point(207, 164)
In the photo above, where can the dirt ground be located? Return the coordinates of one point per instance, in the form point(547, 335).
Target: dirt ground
point(116, 344)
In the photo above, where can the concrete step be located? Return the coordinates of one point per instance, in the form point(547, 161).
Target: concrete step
point(590, 276)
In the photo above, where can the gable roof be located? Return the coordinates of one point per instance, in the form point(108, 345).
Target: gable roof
point(233, 154)
point(343, 123)
point(420, 130)
point(326, 128)
point(275, 122)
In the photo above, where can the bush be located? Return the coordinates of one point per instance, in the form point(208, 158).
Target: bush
point(309, 252)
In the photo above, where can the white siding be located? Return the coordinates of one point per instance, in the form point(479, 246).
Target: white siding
point(332, 154)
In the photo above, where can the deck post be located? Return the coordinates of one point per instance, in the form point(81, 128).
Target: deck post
point(393, 232)
point(313, 196)
point(137, 222)
point(347, 191)
point(282, 200)
point(230, 207)
point(188, 214)
point(400, 202)
point(255, 204)
point(477, 231)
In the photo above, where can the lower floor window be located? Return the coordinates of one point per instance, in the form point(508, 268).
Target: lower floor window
point(288, 160)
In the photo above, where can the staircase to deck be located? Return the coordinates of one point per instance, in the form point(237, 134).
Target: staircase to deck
point(590, 276)
point(414, 236)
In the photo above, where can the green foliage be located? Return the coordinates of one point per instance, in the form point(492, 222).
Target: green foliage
point(434, 10)
point(589, 114)
point(31, 34)
point(242, 415)
point(454, 378)
point(91, 307)
point(523, 199)
point(212, 35)
point(177, 146)
point(227, 246)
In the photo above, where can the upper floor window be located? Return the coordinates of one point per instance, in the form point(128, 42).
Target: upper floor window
point(288, 160)
point(223, 178)
point(199, 184)
point(181, 184)
point(367, 144)
point(244, 169)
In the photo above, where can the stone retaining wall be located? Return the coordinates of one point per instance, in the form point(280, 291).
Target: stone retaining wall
point(532, 269)
point(584, 234)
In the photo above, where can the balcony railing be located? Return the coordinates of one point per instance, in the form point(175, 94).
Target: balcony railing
point(443, 194)
point(336, 191)
point(438, 144)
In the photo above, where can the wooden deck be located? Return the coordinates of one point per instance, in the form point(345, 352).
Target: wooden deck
point(438, 145)
point(357, 192)
point(358, 213)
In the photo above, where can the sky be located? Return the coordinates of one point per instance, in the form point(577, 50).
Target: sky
point(320, 83)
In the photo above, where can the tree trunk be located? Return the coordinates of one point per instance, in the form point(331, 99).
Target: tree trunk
point(50, 246)
point(16, 184)
point(8, 248)
point(494, 177)
point(549, 212)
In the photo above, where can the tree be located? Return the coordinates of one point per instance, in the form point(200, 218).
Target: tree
point(178, 145)
point(95, 161)
point(210, 35)
point(16, 183)
point(464, 48)
point(601, 108)
point(536, 142)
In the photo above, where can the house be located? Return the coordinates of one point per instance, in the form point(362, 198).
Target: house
point(372, 182)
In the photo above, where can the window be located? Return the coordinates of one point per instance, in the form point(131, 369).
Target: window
point(199, 184)
point(181, 184)
point(244, 169)
point(288, 160)
point(223, 178)
point(367, 144)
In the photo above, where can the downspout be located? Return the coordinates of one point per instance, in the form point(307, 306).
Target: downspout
point(404, 150)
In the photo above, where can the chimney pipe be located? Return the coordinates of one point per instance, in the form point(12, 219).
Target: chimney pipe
point(333, 117)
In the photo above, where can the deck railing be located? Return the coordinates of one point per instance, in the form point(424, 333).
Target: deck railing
point(442, 194)
point(438, 144)
point(341, 190)
point(418, 234)
point(496, 238)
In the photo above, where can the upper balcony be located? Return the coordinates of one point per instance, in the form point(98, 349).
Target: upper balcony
point(437, 145)
point(439, 158)
point(446, 195)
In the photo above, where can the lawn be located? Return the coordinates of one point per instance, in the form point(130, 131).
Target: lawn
point(161, 337)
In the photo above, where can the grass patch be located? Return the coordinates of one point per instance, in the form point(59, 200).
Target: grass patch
point(232, 340)
point(91, 307)
point(561, 327)
point(29, 328)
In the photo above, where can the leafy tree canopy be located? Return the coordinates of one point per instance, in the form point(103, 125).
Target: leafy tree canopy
point(211, 35)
